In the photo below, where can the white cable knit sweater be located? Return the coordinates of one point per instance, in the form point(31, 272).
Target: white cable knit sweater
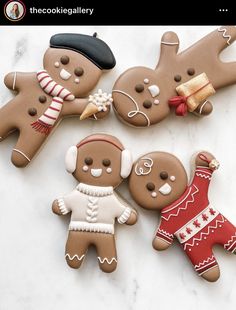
point(94, 208)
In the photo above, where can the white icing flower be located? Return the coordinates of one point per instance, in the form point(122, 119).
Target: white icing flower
point(101, 100)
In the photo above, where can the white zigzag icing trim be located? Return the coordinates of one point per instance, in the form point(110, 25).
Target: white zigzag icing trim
point(205, 233)
point(225, 35)
point(74, 256)
point(204, 262)
point(165, 233)
point(230, 241)
point(105, 259)
point(203, 176)
point(182, 208)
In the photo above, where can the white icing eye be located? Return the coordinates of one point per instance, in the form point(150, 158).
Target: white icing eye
point(154, 90)
point(172, 178)
point(85, 168)
point(109, 170)
point(57, 64)
point(154, 194)
point(146, 81)
point(156, 101)
point(77, 81)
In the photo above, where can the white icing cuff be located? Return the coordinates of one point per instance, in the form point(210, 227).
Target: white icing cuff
point(124, 216)
point(62, 206)
point(92, 227)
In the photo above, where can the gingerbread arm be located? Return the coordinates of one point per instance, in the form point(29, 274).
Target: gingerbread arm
point(169, 47)
point(77, 106)
point(15, 80)
point(59, 207)
point(164, 236)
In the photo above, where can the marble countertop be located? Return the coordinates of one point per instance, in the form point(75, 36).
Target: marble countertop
point(33, 273)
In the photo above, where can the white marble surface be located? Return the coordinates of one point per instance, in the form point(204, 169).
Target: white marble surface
point(33, 273)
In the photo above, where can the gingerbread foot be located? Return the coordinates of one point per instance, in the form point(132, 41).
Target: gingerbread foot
point(212, 275)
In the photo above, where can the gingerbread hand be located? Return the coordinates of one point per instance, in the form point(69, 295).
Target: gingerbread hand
point(132, 218)
point(206, 159)
point(160, 244)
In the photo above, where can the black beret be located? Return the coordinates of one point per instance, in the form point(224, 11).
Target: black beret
point(91, 47)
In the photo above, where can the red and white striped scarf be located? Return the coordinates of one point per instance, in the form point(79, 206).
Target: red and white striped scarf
point(60, 94)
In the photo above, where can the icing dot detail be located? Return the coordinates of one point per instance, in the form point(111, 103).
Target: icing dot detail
point(156, 101)
point(139, 88)
point(32, 111)
point(56, 64)
point(109, 170)
point(146, 81)
point(147, 104)
point(85, 168)
point(154, 194)
point(77, 81)
point(42, 99)
point(172, 178)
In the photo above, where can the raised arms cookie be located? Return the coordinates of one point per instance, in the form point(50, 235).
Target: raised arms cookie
point(143, 96)
point(99, 163)
point(72, 66)
point(159, 182)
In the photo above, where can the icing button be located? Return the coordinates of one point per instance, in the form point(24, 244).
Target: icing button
point(177, 78)
point(147, 104)
point(32, 111)
point(42, 99)
point(191, 71)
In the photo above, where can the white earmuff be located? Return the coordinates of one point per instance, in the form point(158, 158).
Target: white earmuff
point(71, 158)
point(126, 163)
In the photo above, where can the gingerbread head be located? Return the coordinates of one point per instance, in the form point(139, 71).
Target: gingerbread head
point(99, 163)
point(72, 66)
point(159, 181)
point(143, 96)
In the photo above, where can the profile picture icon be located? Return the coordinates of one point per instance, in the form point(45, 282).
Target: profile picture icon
point(14, 10)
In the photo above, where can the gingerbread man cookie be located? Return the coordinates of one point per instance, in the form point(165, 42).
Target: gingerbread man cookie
point(99, 163)
point(184, 81)
point(159, 182)
point(73, 64)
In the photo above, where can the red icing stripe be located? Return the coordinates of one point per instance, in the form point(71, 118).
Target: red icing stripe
point(60, 91)
point(54, 109)
point(45, 77)
point(41, 72)
point(49, 82)
point(67, 96)
point(56, 100)
point(54, 118)
point(53, 88)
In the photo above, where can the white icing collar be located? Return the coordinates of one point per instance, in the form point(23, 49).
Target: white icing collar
point(97, 191)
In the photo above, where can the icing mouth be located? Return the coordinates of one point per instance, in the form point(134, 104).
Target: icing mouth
point(65, 75)
point(165, 189)
point(96, 172)
point(133, 113)
point(154, 90)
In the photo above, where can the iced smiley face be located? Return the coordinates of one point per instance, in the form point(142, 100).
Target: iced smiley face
point(98, 164)
point(140, 98)
point(72, 70)
point(157, 179)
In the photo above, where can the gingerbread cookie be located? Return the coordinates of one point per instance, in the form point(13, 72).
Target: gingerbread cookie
point(184, 81)
point(72, 66)
point(158, 181)
point(99, 163)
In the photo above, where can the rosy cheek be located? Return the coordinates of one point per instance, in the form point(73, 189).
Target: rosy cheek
point(109, 170)
point(85, 168)
point(172, 178)
point(56, 64)
point(153, 194)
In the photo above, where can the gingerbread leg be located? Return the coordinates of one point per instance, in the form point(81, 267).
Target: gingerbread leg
point(106, 250)
point(28, 144)
point(76, 248)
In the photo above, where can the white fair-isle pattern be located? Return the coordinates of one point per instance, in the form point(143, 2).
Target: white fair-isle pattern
point(106, 260)
point(147, 164)
point(124, 216)
point(165, 234)
point(196, 224)
point(210, 229)
point(92, 210)
point(205, 263)
point(225, 35)
point(185, 206)
point(62, 206)
point(203, 174)
point(231, 244)
point(74, 256)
